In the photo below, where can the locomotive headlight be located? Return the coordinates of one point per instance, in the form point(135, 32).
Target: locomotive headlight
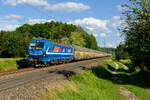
point(44, 54)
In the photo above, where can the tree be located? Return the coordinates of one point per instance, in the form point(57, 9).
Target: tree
point(77, 39)
point(90, 41)
point(3, 41)
point(137, 32)
point(121, 53)
point(93, 43)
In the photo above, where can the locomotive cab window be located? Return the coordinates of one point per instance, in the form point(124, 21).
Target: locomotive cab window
point(32, 46)
point(38, 45)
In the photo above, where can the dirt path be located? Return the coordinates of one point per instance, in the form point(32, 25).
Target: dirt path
point(116, 68)
point(123, 91)
point(125, 67)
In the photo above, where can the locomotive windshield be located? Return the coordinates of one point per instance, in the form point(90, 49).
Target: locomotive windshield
point(37, 45)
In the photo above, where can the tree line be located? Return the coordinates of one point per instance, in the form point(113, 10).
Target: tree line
point(137, 33)
point(15, 43)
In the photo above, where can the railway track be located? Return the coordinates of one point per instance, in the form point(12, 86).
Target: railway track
point(24, 70)
point(15, 71)
point(32, 74)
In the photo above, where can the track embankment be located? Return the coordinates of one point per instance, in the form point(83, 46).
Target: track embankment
point(31, 84)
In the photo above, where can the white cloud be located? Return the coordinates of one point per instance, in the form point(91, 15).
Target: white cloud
point(68, 7)
point(109, 45)
point(116, 17)
point(10, 22)
point(102, 35)
point(96, 35)
point(118, 34)
point(117, 21)
point(37, 21)
point(13, 17)
point(27, 2)
point(13, 24)
point(121, 8)
point(10, 18)
point(92, 25)
point(9, 27)
point(99, 35)
point(65, 6)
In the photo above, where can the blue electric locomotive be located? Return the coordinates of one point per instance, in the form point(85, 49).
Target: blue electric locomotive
point(43, 52)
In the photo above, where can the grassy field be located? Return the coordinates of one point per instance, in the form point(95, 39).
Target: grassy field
point(11, 63)
point(97, 84)
point(88, 86)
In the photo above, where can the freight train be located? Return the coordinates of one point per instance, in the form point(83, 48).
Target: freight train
point(45, 52)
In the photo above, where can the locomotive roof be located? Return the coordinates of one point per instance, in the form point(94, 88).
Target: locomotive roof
point(59, 44)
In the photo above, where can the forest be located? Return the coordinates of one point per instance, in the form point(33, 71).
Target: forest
point(15, 43)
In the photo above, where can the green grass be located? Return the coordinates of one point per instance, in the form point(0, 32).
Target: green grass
point(7, 64)
point(110, 65)
point(97, 84)
point(127, 62)
point(89, 86)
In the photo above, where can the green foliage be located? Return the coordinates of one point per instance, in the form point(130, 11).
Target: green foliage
point(3, 41)
point(90, 41)
point(108, 50)
point(137, 32)
point(11, 44)
point(15, 43)
point(77, 39)
point(65, 40)
point(14, 46)
point(121, 53)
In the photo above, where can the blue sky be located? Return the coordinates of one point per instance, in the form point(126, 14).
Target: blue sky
point(98, 17)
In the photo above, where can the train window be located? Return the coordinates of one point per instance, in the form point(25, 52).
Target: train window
point(39, 45)
point(32, 45)
point(69, 50)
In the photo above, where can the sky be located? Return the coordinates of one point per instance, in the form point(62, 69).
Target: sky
point(98, 17)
